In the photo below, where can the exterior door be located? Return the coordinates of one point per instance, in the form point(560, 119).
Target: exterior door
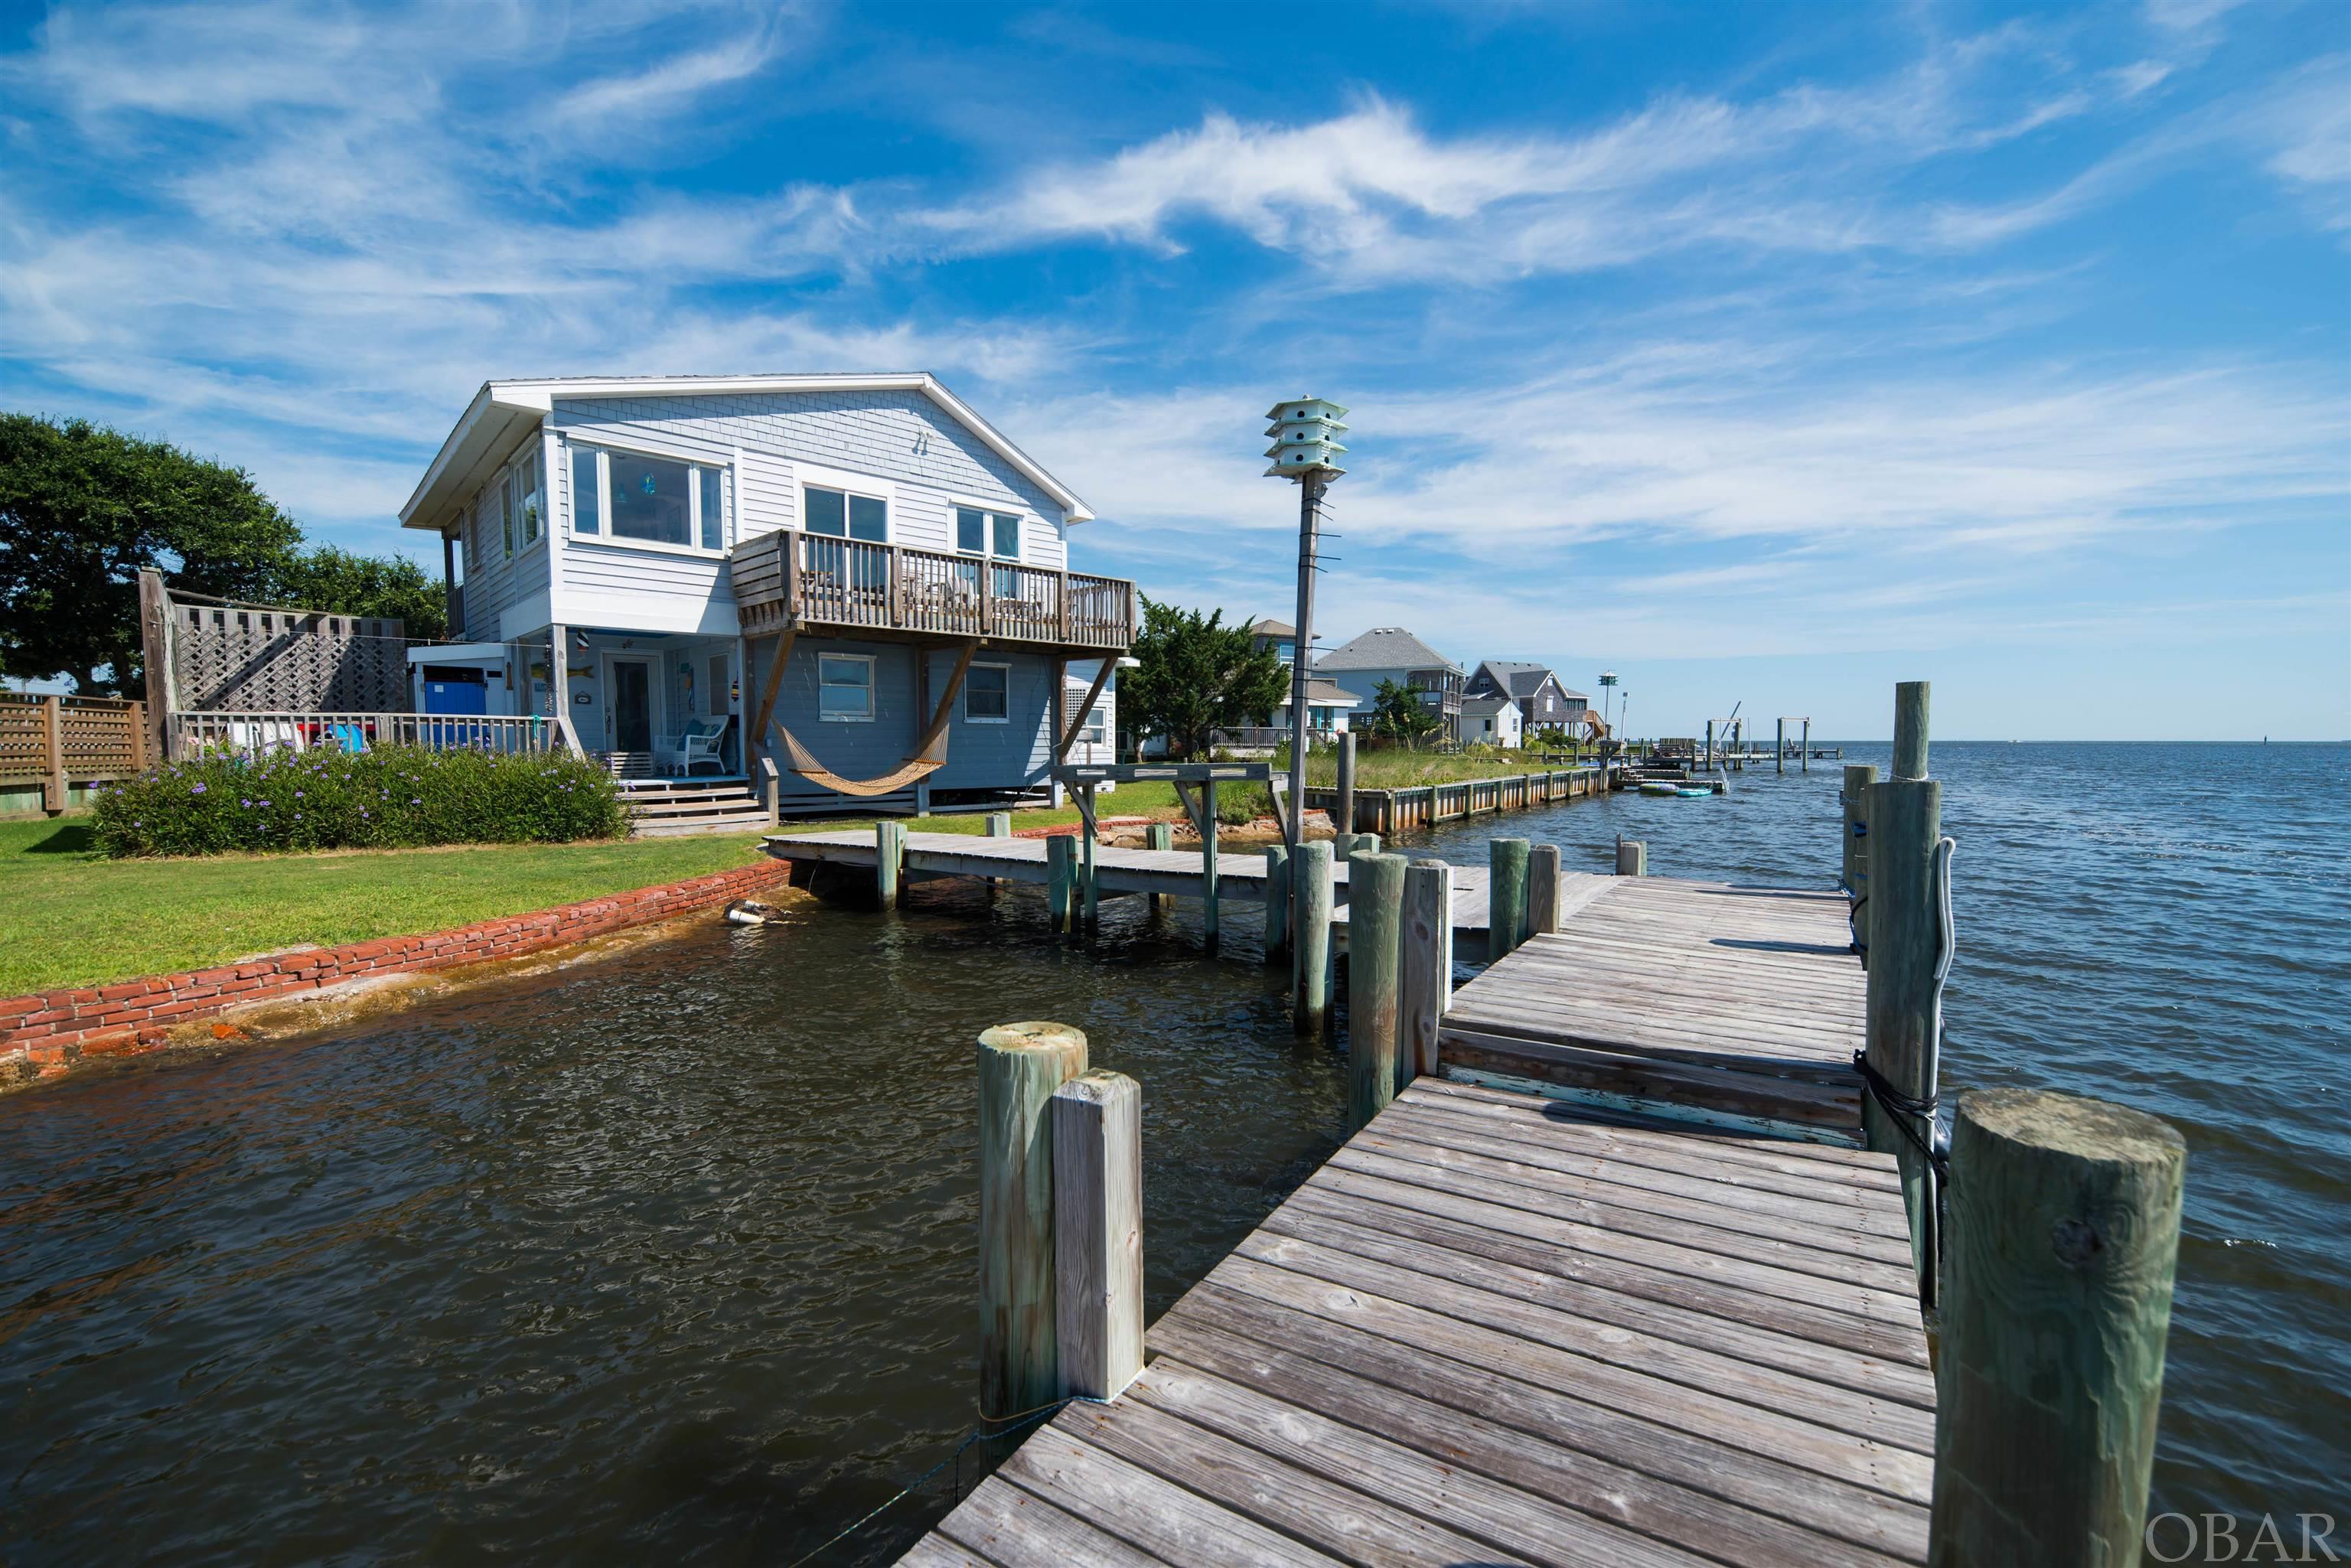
point(631, 692)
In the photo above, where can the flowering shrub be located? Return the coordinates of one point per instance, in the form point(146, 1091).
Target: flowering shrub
point(390, 797)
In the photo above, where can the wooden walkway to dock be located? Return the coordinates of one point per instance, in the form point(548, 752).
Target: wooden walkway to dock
point(1498, 1329)
point(1240, 874)
point(1561, 1305)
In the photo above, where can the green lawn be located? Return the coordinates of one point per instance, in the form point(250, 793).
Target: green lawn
point(1401, 770)
point(69, 916)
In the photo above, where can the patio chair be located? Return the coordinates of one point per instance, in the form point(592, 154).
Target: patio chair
point(697, 745)
point(351, 737)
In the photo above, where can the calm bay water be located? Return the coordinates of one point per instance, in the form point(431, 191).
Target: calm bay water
point(672, 1254)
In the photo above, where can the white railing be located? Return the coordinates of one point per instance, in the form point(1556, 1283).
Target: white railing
point(257, 732)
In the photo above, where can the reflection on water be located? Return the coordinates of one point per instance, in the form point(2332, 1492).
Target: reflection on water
point(672, 1254)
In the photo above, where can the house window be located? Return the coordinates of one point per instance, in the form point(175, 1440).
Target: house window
point(987, 533)
point(531, 495)
point(845, 516)
point(650, 498)
point(987, 693)
point(710, 507)
point(506, 518)
point(1091, 734)
point(586, 490)
point(845, 686)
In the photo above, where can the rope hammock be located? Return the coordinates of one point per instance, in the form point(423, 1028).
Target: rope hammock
point(930, 752)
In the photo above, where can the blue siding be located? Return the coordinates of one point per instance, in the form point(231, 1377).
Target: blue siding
point(1015, 755)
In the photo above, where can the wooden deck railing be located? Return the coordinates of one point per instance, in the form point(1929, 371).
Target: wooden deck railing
point(64, 741)
point(794, 578)
point(355, 731)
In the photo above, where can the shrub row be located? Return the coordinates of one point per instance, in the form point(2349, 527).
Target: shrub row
point(390, 797)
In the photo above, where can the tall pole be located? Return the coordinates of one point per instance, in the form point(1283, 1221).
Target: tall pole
point(1310, 499)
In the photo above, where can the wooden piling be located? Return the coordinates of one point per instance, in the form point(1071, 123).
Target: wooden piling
point(1425, 979)
point(1097, 1136)
point(1632, 857)
point(1342, 817)
point(2064, 1239)
point(1374, 949)
point(1060, 880)
point(888, 861)
point(1309, 939)
point(1905, 941)
point(1909, 730)
point(1020, 1066)
point(1544, 886)
point(1342, 844)
point(1089, 873)
point(1506, 895)
point(999, 824)
point(1365, 844)
point(1159, 836)
point(1276, 902)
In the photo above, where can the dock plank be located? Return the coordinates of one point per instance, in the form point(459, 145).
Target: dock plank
point(1625, 1293)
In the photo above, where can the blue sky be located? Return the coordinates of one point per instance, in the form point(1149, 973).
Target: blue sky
point(1760, 353)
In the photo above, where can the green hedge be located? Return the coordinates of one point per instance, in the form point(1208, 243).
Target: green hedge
point(391, 797)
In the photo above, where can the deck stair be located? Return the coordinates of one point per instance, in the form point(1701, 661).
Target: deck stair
point(695, 805)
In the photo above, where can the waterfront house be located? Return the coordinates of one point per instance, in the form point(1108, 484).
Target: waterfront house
point(1493, 720)
point(1544, 702)
point(1391, 653)
point(855, 578)
point(1279, 635)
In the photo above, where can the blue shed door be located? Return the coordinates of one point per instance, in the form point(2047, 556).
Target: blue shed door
point(457, 696)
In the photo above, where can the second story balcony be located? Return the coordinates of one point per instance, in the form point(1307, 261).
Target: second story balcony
point(791, 579)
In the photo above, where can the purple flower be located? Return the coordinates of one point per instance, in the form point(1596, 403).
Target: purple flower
point(196, 789)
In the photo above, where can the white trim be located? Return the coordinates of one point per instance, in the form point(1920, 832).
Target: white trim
point(656, 707)
point(990, 510)
point(971, 717)
point(499, 399)
point(873, 700)
point(824, 478)
point(606, 537)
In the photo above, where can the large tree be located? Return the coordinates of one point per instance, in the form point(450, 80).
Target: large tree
point(1196, 675)
point(1399, 713)
point(84, 509)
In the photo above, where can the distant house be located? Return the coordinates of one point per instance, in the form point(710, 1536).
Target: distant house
point(1492, 721)
point(1544, 702)
point(1277, 636)
point(1095, 737)
point(1327, 708)
point(1393, 654)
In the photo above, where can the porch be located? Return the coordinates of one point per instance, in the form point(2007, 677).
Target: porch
point(792, 580)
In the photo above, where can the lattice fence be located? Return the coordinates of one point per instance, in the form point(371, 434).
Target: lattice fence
point(255, 658)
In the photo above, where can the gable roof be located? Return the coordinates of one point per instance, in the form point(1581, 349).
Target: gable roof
point(1271, 628)
point(503, 410)
point(1479, 708)
point(1386, 648)
point(1521, 679)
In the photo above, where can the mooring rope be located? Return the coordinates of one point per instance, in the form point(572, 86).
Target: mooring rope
point(1020, 1421)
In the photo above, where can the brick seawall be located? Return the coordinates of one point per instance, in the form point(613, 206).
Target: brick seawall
point(46, 1033)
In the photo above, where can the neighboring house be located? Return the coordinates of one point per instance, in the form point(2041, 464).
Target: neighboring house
point(631, 554)
point(1327, 709)
point(1491, 721)
point(1393, 654)
point(1097, 728)
point(1544, 702)
point(1277, 636)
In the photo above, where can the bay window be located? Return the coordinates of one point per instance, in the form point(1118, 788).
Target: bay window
point(634, 496)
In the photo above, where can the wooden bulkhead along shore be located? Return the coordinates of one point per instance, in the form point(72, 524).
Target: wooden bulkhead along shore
point(1647, 1247)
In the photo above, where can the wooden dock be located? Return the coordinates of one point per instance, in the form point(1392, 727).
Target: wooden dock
point(1495, 1328)
point(1561, 1303)
point(1240, 874)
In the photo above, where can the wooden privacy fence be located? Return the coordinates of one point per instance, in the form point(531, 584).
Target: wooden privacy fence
point(218, 655)
point(64, 741)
